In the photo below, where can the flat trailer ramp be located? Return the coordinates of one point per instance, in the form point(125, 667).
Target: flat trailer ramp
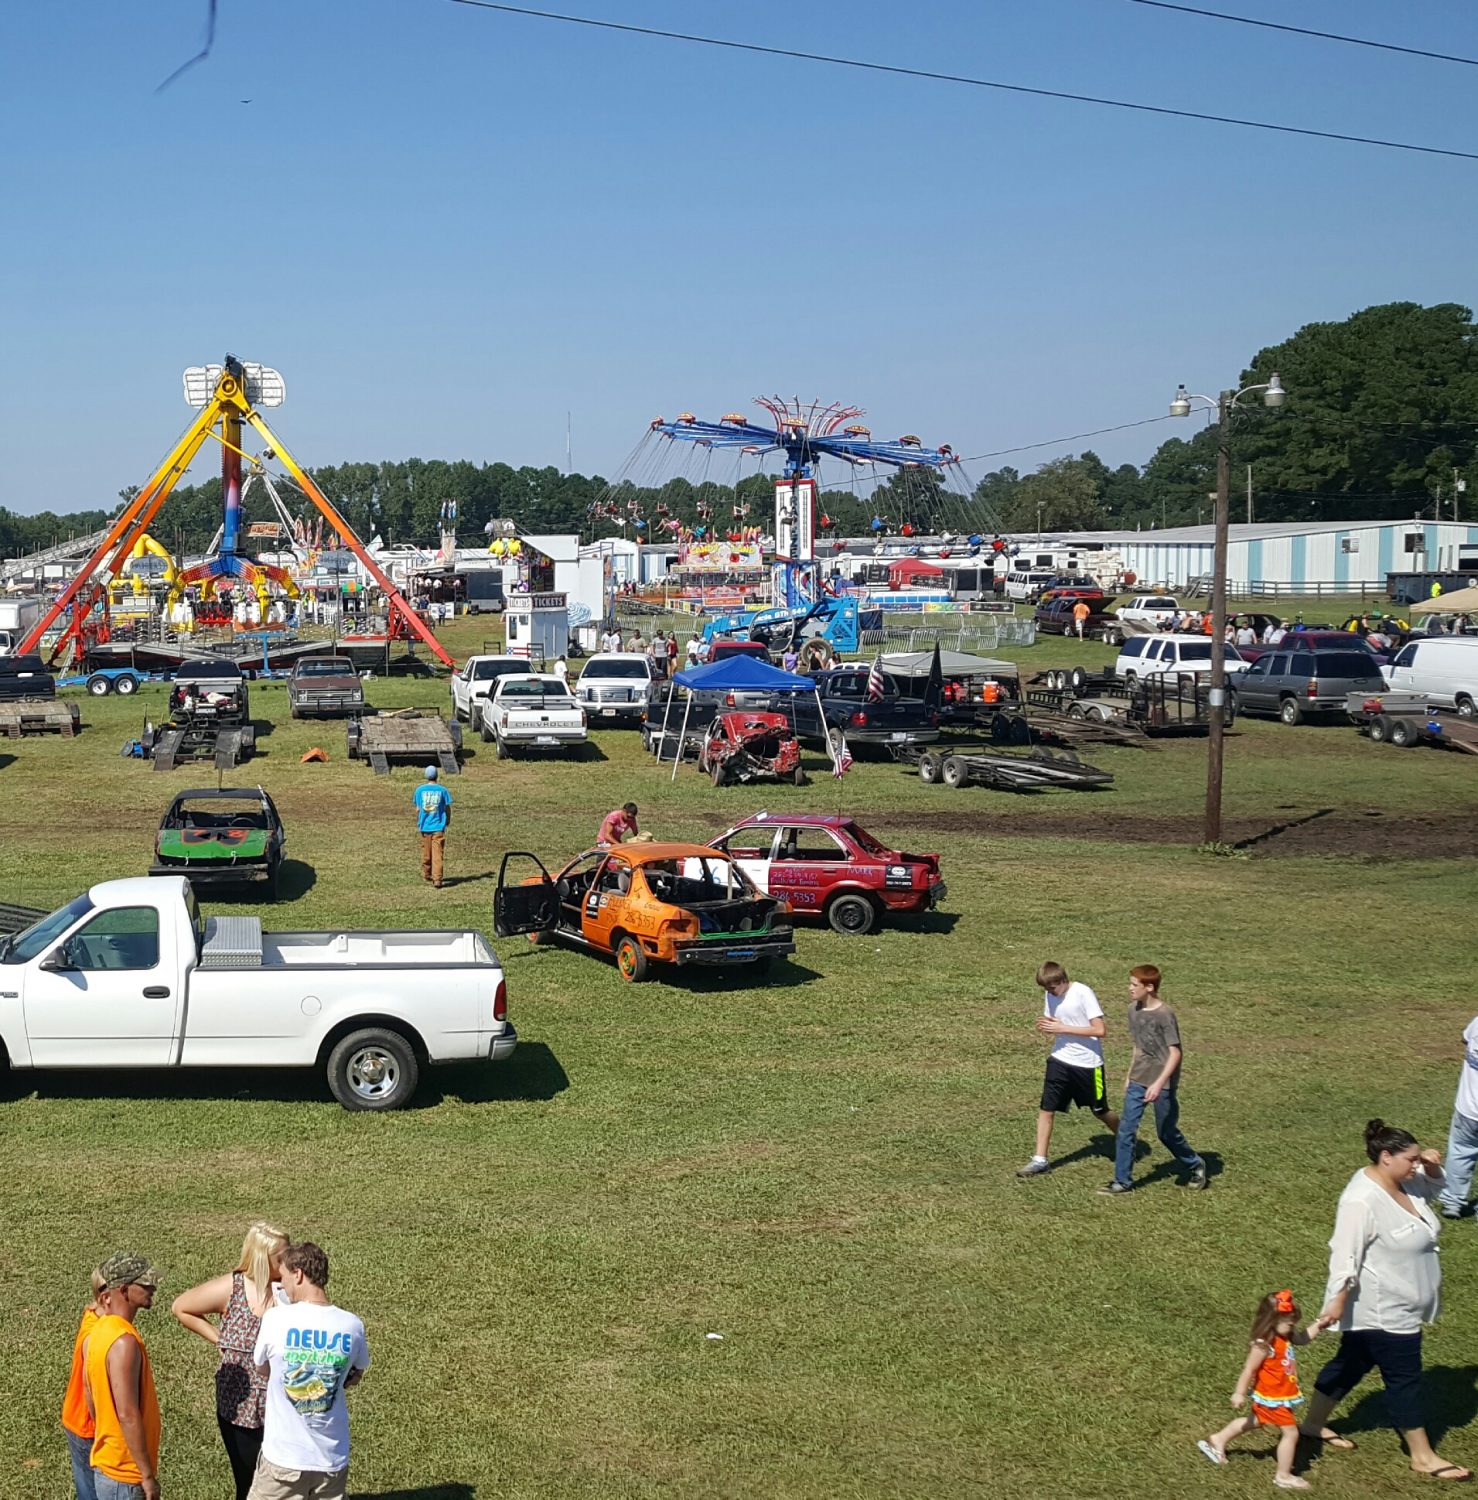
point(1406, 719)
point(418, 736)
point(963, 765)
point(23, 716)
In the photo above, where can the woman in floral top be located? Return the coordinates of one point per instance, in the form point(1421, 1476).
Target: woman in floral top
point(238, 1299)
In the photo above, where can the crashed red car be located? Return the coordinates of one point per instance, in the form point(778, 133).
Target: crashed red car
point(751, 746)
point(832, 867)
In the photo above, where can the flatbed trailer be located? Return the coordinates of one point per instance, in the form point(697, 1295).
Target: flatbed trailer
point(173, 745)
point(22, 716)
point(961, 764)
point(418, 736)
point(1406, 719)
point(1157, 705)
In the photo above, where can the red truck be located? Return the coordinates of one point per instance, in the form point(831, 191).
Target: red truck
point(832, 867)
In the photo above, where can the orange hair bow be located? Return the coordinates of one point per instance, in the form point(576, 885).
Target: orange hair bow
point(1283, 1302)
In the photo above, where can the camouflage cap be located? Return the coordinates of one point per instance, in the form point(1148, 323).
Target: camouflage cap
point(124, 1268)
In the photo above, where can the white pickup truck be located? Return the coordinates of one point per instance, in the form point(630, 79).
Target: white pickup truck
point(1147, 612)
point(129, 975)
point(473, 684)
point(535, 711)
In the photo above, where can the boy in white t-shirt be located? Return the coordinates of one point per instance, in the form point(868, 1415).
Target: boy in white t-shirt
point(311, 1353)
point(1462, 1138)
point(1073, 1018)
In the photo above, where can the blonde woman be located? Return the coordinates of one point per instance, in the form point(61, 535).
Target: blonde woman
point(238, 1299)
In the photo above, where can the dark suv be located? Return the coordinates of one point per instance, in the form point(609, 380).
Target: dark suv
point(1298, 684)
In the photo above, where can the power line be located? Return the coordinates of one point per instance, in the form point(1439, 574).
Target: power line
point(979, 83)
point(1075, 437)
point(1324, 36)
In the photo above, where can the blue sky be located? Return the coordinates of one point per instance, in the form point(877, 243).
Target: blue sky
point(447, 227)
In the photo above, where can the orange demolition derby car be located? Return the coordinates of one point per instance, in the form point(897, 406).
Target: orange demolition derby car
point(648, 904)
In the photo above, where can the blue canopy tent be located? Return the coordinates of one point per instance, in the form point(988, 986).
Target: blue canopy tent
point(737, 673)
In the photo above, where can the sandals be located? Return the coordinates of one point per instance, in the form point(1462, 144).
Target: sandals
point(1212, 1451)
point(1291, 1482)
point(1449, 1473)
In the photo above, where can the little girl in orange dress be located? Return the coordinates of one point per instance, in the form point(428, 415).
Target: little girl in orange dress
point(1272, 1374)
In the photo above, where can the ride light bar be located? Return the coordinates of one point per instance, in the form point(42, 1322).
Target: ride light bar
point(264, 385)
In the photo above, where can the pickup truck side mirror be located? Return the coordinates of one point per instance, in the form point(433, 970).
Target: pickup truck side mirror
point(56, 962)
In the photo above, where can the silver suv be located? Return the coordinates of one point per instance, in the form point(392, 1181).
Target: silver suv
point(1297, 685)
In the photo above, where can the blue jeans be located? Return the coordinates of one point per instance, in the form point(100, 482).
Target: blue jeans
point(1167, 1127)
point(115, 1489)
point(80, 1449)
point(1462, 1157)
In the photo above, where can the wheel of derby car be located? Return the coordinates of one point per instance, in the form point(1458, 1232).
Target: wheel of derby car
point(631, 962)
point(799, 777)
point(954, 772)
point(851, 915)
point(1403, 733)
point(99, 686)
point(126, 685)
point(929, 764)
point(717, 773)
point(1380, 729)
point(374, 1069)
point(1289, 711)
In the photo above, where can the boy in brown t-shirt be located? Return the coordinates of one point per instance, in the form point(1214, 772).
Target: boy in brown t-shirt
point(1154, 1078)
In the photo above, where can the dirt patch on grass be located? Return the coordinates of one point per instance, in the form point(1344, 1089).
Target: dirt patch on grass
point(1372, 835)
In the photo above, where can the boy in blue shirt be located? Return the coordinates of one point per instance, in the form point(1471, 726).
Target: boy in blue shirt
point(433, 813)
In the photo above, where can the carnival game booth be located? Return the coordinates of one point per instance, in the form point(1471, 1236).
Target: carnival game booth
point(738, 674)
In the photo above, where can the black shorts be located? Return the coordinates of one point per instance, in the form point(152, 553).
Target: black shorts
point(1066, 1086)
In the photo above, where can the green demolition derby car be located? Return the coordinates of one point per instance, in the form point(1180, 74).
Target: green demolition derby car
point(222, 837)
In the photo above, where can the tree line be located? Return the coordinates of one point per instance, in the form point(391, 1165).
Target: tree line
point(1381, 421)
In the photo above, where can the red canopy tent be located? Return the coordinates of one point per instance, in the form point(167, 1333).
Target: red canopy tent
point(912, 570)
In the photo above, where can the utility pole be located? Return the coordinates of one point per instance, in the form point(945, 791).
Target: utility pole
point(1249, 494)
point(1217, 697)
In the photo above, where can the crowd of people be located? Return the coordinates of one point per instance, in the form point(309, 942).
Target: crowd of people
point(1384, 1277)
point(285, 1356)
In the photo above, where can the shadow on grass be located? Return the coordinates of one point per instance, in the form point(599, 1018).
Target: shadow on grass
point(1168, 1167)
point(929, 921)
point(451, 880)
point(6, 760)
point(699, 980)
point(532, 1073)
point(1449, 1394)
point(452, 1491)
point(294, 879)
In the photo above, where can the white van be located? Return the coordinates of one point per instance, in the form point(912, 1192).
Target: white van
point(1154, 655)
point(1022, 586)
point(1443, 668)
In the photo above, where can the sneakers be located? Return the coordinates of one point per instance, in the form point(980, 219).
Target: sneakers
point(1035, 1167)
point(1198, 1178)
point(1113, 1189)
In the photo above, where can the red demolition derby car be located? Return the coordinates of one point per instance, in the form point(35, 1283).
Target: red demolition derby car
point(832, 867)
point(750, 747)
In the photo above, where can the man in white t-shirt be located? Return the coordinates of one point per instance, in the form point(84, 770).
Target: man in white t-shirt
point(1462, 1138)
point(311, 1352)
point(1073, 1018)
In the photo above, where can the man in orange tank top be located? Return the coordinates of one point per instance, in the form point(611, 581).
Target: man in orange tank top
point(119, 1384)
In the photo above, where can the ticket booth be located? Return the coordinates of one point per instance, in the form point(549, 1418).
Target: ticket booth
point(537, 626)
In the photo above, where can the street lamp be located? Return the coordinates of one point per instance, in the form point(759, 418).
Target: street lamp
point(1273, 395)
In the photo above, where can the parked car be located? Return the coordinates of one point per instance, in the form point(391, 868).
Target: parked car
point(648, 904)
point(831, 866)
point(750, 746)
point(473, 683)
point(129, 975)
point(1022, 586)
point(1296, 685)
point(1073, 586)
point(719, 650)
point(1315, 640)
point(531, 711)
point(1442, 668)
point(1154, 655)
point(1055, 617)
point(324, 687)
point(845, 710)
point(615, 686)
point(225, 836)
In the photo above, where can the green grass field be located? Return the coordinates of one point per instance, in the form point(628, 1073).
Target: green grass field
point(819, 1169)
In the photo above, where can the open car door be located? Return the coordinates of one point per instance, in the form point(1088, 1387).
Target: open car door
point(532, 907)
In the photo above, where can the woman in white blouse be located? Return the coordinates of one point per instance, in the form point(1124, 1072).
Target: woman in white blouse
point(1384, 1284)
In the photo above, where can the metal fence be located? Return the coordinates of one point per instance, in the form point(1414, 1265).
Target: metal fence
point(986, 634)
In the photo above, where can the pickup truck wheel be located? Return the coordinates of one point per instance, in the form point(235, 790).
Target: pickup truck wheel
point(373, 1070)
point(955, 772)
point(500, 747)
point(99, 686)
point(126, 685)
point(482, 727)
point(1379, 730)
point(1290, 712)
point(631, 962)
point(852, 916)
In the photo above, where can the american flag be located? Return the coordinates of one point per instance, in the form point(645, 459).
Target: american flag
point(843, 760)
point(875, 684)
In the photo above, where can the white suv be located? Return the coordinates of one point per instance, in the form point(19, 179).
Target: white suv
point(615, 686)
point(1158, 655)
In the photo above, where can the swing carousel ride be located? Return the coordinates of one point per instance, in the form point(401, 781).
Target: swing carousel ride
point(722, 560)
